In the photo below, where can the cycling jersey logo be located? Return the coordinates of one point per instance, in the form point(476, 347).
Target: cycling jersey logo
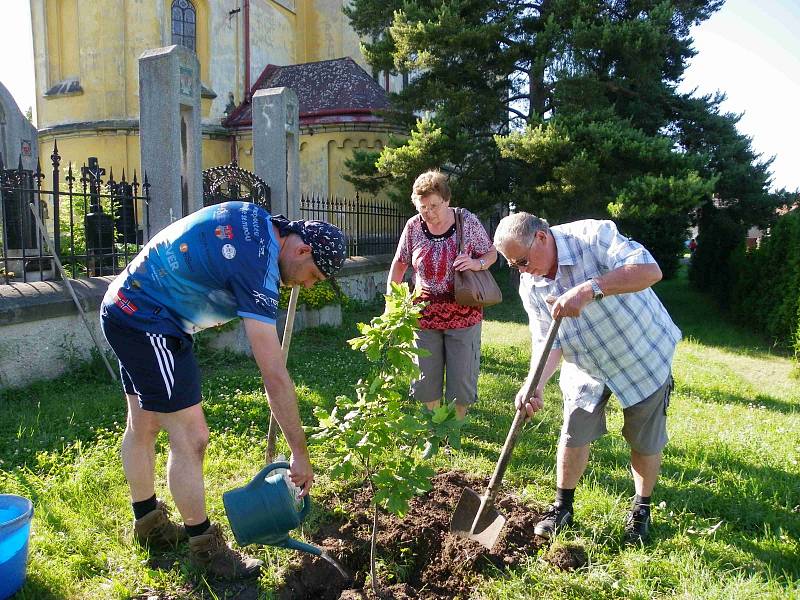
point(224, 232)
point(126, 305)
point(172, 259)
point(228, 251)
point(263, 300)
point(260, 298)
point(184, 248)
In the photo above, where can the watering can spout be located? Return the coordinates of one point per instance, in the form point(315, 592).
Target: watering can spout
point(293, 544)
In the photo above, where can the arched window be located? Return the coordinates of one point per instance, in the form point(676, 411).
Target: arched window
point(184, 21)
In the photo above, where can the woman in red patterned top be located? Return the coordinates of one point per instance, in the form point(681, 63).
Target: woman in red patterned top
point(449, 331)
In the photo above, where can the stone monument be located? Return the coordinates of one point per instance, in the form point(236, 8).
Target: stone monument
point(169, 133)
point(276, 147)
point(18, 137)
point(19, 146)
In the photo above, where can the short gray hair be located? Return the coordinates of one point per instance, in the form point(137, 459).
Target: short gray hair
point(521, 227)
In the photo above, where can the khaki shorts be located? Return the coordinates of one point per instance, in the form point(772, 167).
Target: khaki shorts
point(645, 427)
point(458, 351)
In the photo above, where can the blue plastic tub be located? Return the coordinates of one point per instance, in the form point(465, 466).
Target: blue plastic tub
point(16, 513)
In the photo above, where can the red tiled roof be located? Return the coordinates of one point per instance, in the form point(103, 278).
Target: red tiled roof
point(329, 91)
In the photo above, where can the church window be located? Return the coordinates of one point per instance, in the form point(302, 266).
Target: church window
point(184, 21)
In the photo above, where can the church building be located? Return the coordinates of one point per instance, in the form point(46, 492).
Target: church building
point(87, 97)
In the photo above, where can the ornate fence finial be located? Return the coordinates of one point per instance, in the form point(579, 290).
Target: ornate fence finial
point(54, 157)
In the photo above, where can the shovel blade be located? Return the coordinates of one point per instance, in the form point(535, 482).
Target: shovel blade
point(488, 528)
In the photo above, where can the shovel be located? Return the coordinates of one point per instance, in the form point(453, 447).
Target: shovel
point(475, 517)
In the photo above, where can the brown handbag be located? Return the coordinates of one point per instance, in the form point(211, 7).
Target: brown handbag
point(473, 288)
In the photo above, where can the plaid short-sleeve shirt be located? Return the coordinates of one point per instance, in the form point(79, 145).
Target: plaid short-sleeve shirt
point(625, 341)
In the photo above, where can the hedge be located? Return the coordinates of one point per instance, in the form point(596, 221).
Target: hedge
point(760, 286)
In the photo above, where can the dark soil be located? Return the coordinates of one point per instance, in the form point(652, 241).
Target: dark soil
point(426, 560)
point(432, 563)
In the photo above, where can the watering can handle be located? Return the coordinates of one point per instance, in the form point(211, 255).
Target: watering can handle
point(260, 480)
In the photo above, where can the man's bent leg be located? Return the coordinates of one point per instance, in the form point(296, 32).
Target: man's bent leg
point(580, 429)
point(138, 450)
point(646, 431)
point(646, 468)
point(152, 526)
point(571, 465)
point(188, 438)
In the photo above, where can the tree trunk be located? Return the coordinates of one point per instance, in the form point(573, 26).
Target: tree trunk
point(373, 543)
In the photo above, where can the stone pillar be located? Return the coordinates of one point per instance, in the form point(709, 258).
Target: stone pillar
point(169, 133)
point(276, 147)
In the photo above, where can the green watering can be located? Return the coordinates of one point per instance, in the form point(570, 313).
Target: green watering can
point(264, 511)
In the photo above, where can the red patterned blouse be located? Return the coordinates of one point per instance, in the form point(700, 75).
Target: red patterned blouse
point(431, 257)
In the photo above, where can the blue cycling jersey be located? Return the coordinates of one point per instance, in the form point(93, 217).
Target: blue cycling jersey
point(203, 270)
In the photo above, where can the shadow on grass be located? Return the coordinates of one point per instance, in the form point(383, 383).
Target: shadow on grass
point(33, 589)
point(748, 510)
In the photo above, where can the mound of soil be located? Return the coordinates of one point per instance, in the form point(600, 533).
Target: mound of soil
point(431, 562)
point(424, 560)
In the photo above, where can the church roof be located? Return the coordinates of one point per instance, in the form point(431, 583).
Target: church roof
point(329, 91)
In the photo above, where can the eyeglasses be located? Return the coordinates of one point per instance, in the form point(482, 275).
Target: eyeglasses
point(522, 262)
point(428, 208)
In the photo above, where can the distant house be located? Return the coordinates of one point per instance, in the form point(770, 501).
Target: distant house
point(754, 234)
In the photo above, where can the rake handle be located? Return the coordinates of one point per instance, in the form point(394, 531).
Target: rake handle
point(516, 427)
point(286, 340)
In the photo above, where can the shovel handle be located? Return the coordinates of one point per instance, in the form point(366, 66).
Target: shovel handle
point(516, 426)
point(286, 340)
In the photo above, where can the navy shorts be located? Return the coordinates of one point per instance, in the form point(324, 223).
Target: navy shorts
point(161, 369)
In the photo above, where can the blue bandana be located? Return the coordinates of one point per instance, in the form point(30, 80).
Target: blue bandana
point(328, 244)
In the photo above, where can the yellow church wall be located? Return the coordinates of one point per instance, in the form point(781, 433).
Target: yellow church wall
point(322, 157)
point(120, 150)
point(216, 152)
point(113, 149)
point(327, 33)
point(314, 165)
point(272, 36)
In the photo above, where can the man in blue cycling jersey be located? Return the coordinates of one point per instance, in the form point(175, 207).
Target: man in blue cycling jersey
point(218, 263)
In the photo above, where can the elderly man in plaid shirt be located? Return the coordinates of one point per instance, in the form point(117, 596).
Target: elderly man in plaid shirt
point(619, 339)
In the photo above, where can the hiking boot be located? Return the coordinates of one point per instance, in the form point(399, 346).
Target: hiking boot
point(637, 525)
point(157, 531)
point(555, 517)
point(210, 552)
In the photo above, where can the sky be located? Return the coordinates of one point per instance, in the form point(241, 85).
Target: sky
point(748, 49)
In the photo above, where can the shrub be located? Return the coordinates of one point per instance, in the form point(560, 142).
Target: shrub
point(711, 270)
point(319, 295)
point(663, 235)
point(765, 283)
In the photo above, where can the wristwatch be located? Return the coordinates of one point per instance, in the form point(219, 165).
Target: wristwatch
point(483, 263)
point(597, 291)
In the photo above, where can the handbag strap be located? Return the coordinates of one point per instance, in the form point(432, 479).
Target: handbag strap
point(459, 230)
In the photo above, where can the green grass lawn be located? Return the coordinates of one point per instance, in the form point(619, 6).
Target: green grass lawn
point(726, 513)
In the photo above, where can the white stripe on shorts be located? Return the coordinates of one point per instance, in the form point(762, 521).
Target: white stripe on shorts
point(166, 363)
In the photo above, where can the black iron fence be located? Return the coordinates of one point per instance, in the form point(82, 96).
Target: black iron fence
point(231, 182)
point(95, 225)
point(372, 227)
